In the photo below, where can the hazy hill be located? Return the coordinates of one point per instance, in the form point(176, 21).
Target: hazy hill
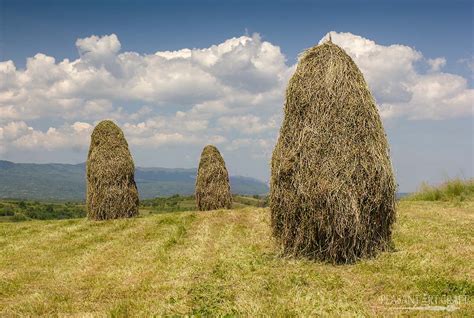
point(67, 182)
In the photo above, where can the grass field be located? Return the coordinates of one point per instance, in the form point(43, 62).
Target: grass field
point(224, 262)
point(451, 190)
point(12, 210)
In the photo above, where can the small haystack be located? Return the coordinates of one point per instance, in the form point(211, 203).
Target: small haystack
point(212, 181)
point(111, 189)
point(332, 191)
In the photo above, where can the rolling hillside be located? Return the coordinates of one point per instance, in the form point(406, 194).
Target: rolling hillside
point(223, 263)
point(66, 182)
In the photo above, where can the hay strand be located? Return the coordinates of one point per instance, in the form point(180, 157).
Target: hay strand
point(212, 181)
point(111, 189)
point(332, 188)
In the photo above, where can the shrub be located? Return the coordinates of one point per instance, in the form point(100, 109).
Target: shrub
point(6, 211)
point(19, 217)
point(451, 190)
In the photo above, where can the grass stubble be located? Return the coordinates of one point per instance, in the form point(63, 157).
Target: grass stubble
point(222, 263)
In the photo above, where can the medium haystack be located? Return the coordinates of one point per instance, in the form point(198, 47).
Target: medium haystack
point(212, 181)
point(332, 193)
point(111, 189)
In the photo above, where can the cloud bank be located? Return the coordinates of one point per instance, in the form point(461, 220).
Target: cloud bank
point(230, 93)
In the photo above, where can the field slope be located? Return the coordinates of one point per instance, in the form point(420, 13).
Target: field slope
point(224, 262)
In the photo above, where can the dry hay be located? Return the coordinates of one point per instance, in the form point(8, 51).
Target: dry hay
point(212, 181)
point(111, 189)
point(332, 193)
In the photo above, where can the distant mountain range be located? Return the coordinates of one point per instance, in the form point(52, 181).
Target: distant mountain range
point(66, 182)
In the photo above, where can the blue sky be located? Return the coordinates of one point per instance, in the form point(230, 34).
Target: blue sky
point(426, 145)
point(432, 26)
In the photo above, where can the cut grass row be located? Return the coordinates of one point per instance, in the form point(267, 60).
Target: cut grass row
point(224, 263)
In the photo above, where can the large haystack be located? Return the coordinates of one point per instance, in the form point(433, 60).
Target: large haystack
point(111, 189)
point(212, 181)
point(332, 193)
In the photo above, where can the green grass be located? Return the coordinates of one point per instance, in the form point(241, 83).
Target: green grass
point(256, 201)
point(451, 190)
point(19, 210)
point(174, 203)
point(224, 263)
point(180, 203)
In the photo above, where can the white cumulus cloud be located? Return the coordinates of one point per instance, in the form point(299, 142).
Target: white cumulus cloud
point(19, 135)
point(231, 92)
point(437, 64)
point(400, 88)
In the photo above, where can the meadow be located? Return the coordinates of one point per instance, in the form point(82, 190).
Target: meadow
point(24, 210)
point(224, 262)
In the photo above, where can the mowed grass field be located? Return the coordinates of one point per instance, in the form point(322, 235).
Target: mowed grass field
point(225, 263)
